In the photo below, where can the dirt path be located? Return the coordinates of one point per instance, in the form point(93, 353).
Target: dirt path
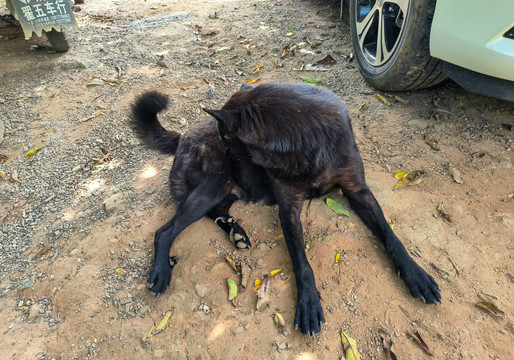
point(77, 219)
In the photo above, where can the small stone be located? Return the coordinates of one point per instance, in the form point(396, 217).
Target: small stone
point(309, 344)
point(25, 284)
point(262, 246)
point(33, 312)
point(200, 290)
point(419, 124)
point(113, 203)
point(144, 309)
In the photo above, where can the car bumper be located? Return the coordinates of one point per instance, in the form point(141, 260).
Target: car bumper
point(471, 33)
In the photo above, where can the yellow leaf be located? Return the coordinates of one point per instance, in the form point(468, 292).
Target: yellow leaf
point(163, 322)
point(251, 81)
point(383, 99)
point(275, 272)
point(406, 102)
point(256, 70)
point(401, 174)
point(510, 196)
point(233, 264)
point(232, 289)
point(349, 347)
point(150, 332)
point(279, 319)
point(338, 257)
point(257, 285)
point(33, 151)
point(120, 271)
point(410, 179)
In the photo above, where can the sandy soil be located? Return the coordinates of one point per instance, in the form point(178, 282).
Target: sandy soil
point(77, 231)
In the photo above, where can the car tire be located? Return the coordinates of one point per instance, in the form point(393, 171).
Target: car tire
point(403, 60)
point(57, 40)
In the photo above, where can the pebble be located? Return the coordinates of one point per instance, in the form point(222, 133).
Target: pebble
point(33, 312)
point(25, 284)
point(201, 290)
point(113, 203)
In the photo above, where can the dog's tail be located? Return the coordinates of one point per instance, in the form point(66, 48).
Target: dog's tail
point(148, 127)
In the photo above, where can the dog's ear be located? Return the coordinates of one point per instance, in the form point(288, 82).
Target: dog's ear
point(227, 118)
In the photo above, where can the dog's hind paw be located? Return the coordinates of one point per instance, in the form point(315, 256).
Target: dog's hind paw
point(235, 232)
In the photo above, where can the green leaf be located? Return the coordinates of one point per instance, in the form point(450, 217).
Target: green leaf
point(337, 207)
point(309, 80)
point(232, 289)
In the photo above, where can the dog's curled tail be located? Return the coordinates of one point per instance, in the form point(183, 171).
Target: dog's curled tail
point(148, 127)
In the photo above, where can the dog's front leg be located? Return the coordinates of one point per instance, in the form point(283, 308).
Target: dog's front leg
point(309, 313)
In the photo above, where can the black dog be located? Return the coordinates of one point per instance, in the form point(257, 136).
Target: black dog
point(276, 143)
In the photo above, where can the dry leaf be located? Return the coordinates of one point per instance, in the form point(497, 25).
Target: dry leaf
point(245, 275)
point(455, 174)
point(432, 142)
point(443, 213)
point(232, 289)
point(418, 339)
point(326, 60)
point(490, 307)
point(406, 102)
point(410, 178)
point(14, 175)
point(264, 293)
point(43, 251)
point(251, 81)
point(256, 70)
point(387, 342)
point(349, 347)
point(383, 99)
point(233, 264)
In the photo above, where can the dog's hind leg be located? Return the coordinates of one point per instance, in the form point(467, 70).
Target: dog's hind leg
point(226, 222)
point(362, 201)
point(309, 313)
point(197, 204)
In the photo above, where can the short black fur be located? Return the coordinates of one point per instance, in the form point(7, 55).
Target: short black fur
point(279, 144)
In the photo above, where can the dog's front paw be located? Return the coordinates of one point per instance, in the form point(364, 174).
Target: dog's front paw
point(160, 276)
point(309, 314)
point(420, 284)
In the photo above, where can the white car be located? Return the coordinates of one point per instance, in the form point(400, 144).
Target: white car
point(413, 44)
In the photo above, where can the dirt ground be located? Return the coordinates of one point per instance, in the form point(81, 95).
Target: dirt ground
point(77, 219)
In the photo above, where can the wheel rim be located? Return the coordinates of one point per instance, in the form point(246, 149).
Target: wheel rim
point(379, 25)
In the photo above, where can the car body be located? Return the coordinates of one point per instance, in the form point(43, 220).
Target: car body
point(412, 44)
